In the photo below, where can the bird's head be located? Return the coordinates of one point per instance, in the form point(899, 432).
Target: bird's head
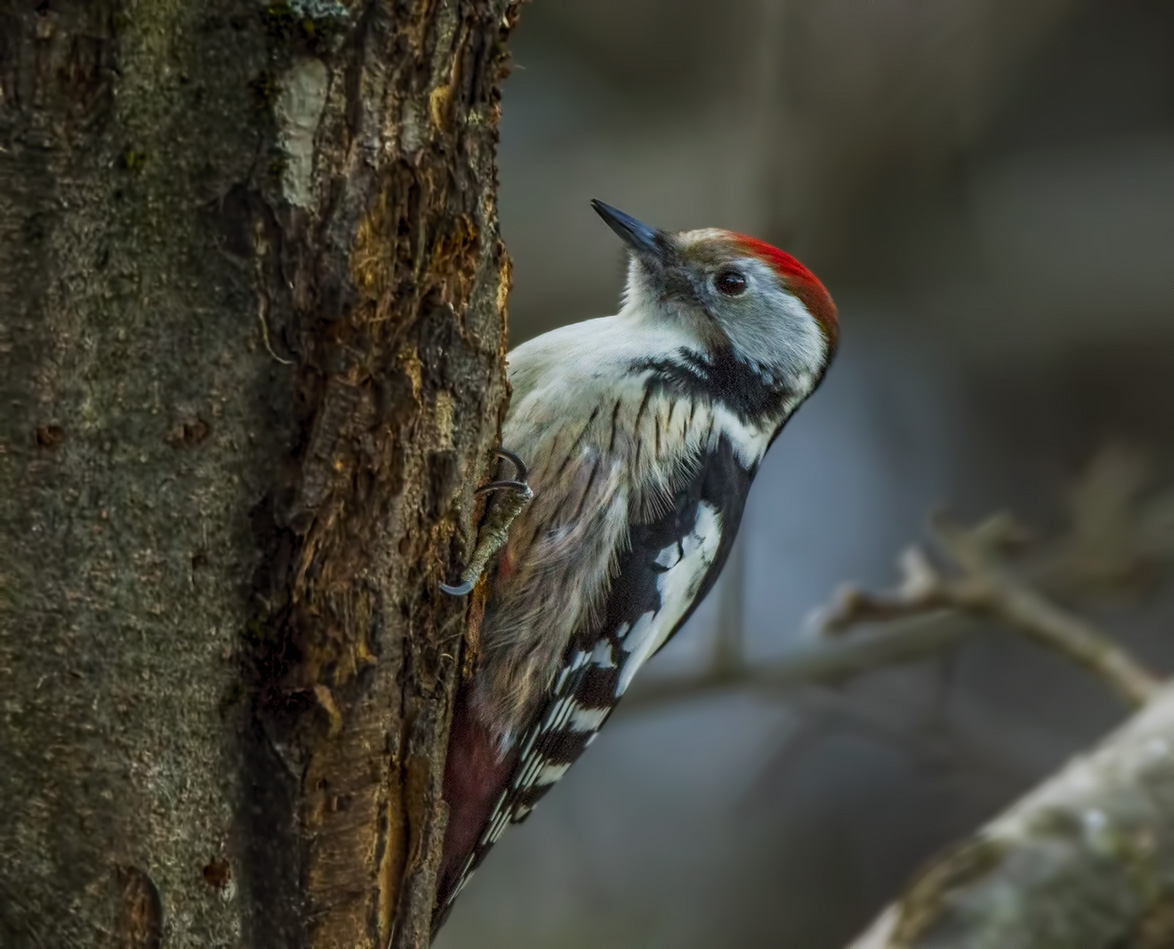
point(733, 297)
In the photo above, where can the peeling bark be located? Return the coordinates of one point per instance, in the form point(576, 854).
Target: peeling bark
point(252, 328)
point(1086, 861)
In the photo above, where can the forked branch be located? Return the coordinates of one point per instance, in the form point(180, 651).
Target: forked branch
point(974, 582)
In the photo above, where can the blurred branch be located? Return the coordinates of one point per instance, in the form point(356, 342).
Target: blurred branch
point(827, 663)
point(1081, 861)
point(979, 586)
point(1084, 859)
point(1114, 539)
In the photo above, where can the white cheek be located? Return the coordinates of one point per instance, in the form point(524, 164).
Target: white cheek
point(777, 329)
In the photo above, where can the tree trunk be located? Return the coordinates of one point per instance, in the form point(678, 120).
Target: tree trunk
point(251, 357)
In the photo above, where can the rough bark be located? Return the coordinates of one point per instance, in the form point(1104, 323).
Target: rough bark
point(251, 357)
point(1086, 861)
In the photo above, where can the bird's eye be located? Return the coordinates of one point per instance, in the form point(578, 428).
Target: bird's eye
point(730, 282)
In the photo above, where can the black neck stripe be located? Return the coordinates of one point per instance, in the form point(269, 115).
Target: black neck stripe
point(745, 389)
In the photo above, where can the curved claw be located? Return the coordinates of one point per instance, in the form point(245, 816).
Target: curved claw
point(520, 486)
point(520, 469)
point(493, 532)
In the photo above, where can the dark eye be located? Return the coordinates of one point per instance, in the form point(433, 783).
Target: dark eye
point(730, 282)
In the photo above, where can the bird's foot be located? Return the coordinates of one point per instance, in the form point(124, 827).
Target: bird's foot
point(496, 528)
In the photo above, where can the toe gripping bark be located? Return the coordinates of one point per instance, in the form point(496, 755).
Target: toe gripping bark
point(515, 495)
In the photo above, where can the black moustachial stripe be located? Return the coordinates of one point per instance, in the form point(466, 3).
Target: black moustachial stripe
point(747, 390)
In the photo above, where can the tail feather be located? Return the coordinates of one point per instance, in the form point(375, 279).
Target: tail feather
point(475, 775)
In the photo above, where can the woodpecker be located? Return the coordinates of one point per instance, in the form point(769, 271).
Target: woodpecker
point(641, 432)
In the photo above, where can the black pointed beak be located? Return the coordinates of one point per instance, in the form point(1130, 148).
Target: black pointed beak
point(636, 234)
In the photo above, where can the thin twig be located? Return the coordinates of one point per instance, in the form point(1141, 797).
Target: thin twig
point(979, 586)
point(827, 662)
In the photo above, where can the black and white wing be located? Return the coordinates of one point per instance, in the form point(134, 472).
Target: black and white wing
point(669, 565)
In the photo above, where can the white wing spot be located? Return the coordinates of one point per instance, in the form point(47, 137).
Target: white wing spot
point(601, 655)
point(562, 678)
point(588, 719)
point(670, 556)
point(551, 773)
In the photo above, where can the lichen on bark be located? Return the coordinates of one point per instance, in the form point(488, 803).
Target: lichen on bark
point(1085, 861)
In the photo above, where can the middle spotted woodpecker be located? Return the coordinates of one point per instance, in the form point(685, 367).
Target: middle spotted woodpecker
point(642, 432)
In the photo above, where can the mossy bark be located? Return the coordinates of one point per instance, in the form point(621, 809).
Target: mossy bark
point(251, 358)
point(1086, 861)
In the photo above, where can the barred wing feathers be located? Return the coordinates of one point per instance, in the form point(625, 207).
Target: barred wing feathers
point(663, 569)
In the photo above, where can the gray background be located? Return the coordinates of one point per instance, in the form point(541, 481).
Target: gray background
point(987, 189)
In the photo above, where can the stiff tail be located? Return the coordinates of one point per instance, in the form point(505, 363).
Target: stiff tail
point(475, 776)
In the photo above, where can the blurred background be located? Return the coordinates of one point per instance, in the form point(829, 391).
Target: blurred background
point(987, 189)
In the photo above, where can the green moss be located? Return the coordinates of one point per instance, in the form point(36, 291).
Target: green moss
point(1054, 822)
point(118, 21)
point(309, 23)
point(263, 86)
point(277, 167)
point(922, 906)
point(231, 697)
point(279, 22)
point(132, 160)
point(1111, 839)
point(257, 631)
